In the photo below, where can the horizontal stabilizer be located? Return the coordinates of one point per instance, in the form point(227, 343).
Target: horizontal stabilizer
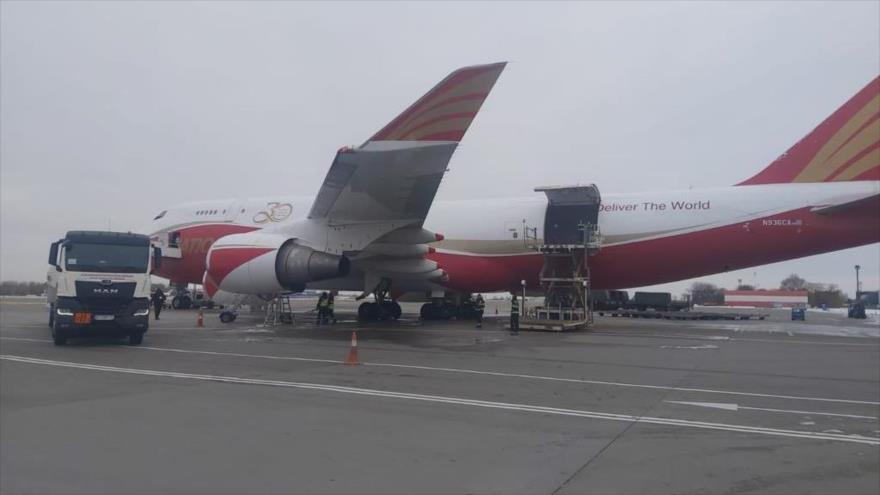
point(850, 205)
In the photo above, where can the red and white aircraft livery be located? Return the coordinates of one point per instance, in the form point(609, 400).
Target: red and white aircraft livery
point(371, 227)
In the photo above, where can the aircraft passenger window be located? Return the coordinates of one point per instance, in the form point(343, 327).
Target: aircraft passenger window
point(160, 215)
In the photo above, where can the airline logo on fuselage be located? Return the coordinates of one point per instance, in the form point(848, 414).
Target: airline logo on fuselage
point(274, 212)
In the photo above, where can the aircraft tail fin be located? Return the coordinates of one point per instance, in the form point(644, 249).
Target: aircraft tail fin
point(446, 111)
point(845, 147)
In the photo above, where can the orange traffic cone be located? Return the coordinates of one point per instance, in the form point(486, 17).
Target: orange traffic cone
point(353, 352)
point(200, 322)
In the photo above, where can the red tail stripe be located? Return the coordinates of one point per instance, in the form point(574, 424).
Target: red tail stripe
point(855, 134)
point(841, 169)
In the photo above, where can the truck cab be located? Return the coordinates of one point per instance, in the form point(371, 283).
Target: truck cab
point(99, 284)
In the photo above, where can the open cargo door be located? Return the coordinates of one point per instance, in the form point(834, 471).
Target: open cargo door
point(569, 208)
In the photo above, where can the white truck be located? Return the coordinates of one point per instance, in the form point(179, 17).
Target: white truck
point(99, 284)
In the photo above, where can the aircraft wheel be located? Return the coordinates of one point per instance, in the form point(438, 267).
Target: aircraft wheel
point(390, 310)
point(448, 311)
point(368, 311)
point(176, 302)
point(396, 310)
point(227, 317)
point(427, 311)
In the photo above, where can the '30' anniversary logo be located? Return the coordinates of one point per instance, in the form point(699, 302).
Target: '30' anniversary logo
point(274, 212)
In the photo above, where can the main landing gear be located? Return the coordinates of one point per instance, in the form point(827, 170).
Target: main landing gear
point(384, 308)
point(375, 311)
point(438, 310)
point(441, 308)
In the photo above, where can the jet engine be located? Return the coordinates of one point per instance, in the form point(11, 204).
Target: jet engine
point(258, 263)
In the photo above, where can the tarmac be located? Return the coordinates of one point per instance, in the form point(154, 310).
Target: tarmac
point(630, 406)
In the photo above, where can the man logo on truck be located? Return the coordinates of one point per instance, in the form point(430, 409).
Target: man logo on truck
point(105, 291)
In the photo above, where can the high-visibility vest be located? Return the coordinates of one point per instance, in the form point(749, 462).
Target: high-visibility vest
point(322, 303)
point(514, 306)
point(481, 304)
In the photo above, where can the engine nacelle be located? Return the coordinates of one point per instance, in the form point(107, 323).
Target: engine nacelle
point(296, 265)
point(257, 263)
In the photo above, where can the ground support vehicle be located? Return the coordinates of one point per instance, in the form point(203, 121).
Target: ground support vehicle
point(98, 283)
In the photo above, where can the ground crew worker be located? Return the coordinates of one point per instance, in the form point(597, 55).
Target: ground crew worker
point(480, 306)
point(330, 315)
point(514, 316)
point(321, 308)
point(158, 299)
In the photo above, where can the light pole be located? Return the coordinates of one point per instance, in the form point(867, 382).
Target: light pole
point(857, 281)
point(523, 283)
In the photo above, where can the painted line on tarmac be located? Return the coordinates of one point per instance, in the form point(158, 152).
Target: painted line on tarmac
point(459, 401)
point(811, 342)
point(487, 373)
point(726, 338)
point(726, 406)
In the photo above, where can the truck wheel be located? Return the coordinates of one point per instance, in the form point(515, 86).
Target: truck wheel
point(135, 338)
point(59, 337)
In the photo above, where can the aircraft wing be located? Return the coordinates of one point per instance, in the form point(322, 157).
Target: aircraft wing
point(393, 177)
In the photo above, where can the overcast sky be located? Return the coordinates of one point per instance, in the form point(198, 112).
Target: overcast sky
point(112, 111)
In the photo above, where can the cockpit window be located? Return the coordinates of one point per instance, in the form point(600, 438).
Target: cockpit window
point(160, 215)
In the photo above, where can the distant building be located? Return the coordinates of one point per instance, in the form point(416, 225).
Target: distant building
point(871, 298)
point(766, 298)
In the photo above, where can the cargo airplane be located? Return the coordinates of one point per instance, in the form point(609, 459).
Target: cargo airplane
point(374, 226)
